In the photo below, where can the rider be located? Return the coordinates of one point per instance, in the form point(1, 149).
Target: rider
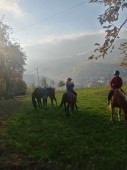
point(70, 86)
point(115, 83)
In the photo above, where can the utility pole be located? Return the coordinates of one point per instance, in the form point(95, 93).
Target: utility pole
point(38, 77)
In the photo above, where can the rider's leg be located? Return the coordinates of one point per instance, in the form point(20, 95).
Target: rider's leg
point(75, 94)
point(110, 94)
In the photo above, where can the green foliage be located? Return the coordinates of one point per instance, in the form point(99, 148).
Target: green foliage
point(19, 86)
point(87, 140)
point(61, 83)
point(12, 56)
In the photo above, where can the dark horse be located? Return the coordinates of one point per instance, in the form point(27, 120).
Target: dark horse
point(37, 95)
point(118, 100)
point(69, 102)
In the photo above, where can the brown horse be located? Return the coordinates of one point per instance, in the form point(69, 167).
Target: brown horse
point(37, 95)
point(69, 102)
point(118, 101)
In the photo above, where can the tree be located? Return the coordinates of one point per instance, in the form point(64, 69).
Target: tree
point(12, 56)
point(19, 87)
point(108, 21)
point(61, 83)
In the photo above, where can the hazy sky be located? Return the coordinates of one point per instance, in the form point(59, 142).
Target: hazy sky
point(54, 29)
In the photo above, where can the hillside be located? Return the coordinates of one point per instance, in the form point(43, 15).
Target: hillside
point(80, 69)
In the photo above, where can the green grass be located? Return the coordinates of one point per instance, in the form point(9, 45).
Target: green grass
point(86, 141)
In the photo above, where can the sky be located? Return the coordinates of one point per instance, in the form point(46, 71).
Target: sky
point(50, 30)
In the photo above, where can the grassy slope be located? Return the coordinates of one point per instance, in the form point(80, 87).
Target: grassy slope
point(88, 140)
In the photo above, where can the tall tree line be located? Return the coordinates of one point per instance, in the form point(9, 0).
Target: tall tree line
point(12, 59)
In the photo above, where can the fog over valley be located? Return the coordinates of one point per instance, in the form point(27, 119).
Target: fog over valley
point(83, 71)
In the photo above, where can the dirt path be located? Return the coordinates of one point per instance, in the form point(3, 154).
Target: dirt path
point(9, 158)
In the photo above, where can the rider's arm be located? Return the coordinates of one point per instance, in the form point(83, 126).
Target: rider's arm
point(112, 83)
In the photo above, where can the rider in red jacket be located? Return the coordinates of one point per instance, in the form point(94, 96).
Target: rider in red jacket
point(115, 83)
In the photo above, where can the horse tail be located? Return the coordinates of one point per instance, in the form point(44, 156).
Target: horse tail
point(34, 101)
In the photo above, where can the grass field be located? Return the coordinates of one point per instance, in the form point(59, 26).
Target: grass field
point(86, 141)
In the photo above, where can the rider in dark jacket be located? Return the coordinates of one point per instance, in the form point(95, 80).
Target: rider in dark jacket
point(70, 86)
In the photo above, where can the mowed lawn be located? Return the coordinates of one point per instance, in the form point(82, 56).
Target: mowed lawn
point(85, 141)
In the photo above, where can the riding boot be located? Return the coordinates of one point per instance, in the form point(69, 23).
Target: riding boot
point(110, 94)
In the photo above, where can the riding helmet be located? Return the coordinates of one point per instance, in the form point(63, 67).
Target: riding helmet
point(116, 73)
point(69, 79)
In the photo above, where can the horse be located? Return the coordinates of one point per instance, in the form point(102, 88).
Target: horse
point(37, 95)
point(69, 102)
point(118, 100)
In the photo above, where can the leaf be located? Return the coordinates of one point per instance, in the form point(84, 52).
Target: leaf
point(109, 26)
point(96, 44)
point(97, 49)
point(91, 57)
point(105, 27)
point(123, 63)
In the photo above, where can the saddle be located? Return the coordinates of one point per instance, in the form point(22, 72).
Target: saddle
point(71, 96)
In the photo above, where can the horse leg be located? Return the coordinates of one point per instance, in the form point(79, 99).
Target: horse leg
point(72, 107)
point(51, 101)
point(112, 113)
point(125, 114)
point(119, 114)
point(45, 103)
point(39, 103)
point(67, 110)
point(34, 103)
point(75, 106)
point(125, 117)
